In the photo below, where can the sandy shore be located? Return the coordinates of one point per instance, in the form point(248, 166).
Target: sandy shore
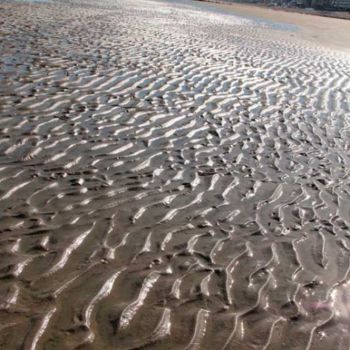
point(305, 11)
point(172, 176)
point(325, 31)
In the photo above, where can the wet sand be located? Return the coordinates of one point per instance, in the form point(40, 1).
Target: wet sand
point(172, 176)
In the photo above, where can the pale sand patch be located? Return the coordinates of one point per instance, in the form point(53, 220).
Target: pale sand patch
point(329, 32)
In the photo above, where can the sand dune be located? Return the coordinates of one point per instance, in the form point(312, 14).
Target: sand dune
point(171, 177)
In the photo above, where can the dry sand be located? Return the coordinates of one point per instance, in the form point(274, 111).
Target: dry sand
point(172, 176)
point(325, 31)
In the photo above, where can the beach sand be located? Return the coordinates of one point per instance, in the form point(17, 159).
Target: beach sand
point(173, 175)
point(325, 31)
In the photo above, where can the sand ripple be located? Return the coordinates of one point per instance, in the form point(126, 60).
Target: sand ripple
point(171, 177)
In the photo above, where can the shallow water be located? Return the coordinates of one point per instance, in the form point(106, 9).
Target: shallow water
point(170, 178)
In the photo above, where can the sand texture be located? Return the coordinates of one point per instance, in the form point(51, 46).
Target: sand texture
point(172, 176)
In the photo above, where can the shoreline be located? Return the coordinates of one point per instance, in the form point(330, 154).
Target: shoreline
point(345, 15)
point(328, 32)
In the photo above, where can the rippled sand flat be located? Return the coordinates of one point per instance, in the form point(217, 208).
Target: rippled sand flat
point(172, 176)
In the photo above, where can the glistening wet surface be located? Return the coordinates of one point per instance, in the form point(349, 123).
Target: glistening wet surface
point(171, 177)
